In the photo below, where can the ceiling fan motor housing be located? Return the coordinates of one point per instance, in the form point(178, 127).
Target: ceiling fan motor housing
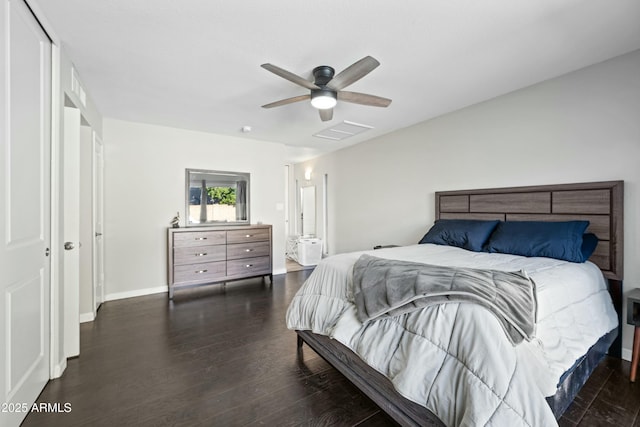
point(323, 98)
point(323, 75)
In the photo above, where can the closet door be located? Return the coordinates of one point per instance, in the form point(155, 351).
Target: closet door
point(25, 210)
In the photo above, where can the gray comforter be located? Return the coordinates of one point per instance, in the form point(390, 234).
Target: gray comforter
point(385, 287)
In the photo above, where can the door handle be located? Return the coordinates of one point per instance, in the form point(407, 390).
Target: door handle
point(98, 234)
point(68, 246)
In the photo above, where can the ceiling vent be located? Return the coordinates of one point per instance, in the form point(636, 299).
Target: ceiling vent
point(342, 131)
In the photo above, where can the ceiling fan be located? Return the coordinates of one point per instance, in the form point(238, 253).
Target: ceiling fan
point(326, 88)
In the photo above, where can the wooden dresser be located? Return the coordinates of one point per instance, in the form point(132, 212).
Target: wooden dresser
point(205, 255)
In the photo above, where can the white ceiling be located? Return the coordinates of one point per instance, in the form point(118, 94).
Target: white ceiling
point(195, 64)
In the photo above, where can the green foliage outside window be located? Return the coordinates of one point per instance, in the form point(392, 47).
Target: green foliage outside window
point(222, 195)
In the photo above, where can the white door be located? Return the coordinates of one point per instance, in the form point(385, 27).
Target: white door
point(98, 228)
point(71, 206)
point(25, 209)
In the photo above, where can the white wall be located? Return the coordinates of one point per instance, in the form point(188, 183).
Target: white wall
point(145, 185)
point(584, 126)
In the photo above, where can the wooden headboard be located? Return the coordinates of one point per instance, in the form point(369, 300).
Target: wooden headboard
point(600, 203)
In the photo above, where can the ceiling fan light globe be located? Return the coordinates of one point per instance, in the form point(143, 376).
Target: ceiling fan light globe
point(323, 102)
point(323, 99)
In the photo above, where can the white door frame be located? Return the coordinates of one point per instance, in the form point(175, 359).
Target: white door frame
point(58, 363)
point(98, 222)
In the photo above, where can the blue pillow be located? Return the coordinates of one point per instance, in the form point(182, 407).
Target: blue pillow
point(589, 243)
point(560, 240)
point(469, 234)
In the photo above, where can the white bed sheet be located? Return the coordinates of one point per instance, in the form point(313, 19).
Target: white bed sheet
point(464, 344)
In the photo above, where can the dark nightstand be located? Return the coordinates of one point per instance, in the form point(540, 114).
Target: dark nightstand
point(384, 246)
point(633, 318)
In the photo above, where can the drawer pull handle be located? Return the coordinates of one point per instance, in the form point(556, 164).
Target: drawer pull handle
point(248, 250)
point(249, 235)
point(201, 238)
point(201, 271)
point(201, 254)
point(249, 265)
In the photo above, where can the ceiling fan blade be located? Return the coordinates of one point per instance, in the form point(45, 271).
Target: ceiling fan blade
point(364, 99)
point(326, 114)
point(353, 73)
point(289, 76)
point(287, 101)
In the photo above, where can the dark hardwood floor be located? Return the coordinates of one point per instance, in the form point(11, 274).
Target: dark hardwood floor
point(223, 357)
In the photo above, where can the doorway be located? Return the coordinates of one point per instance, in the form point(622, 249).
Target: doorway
point(83, 224)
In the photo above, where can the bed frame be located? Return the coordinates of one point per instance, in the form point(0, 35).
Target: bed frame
point(600, 203)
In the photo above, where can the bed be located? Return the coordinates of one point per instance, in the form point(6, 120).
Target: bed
point(532, 382)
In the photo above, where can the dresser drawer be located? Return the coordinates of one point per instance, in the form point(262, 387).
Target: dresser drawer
point(199, 273)
point(251, 235)
point(248, 250)
point(199, 238)
point(199, 254)
point(249, 267)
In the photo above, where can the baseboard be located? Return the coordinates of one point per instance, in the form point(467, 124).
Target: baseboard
point(626, 354)
point(58, 370)
point(150, 291)
point(87, 317)
point(135, 293)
